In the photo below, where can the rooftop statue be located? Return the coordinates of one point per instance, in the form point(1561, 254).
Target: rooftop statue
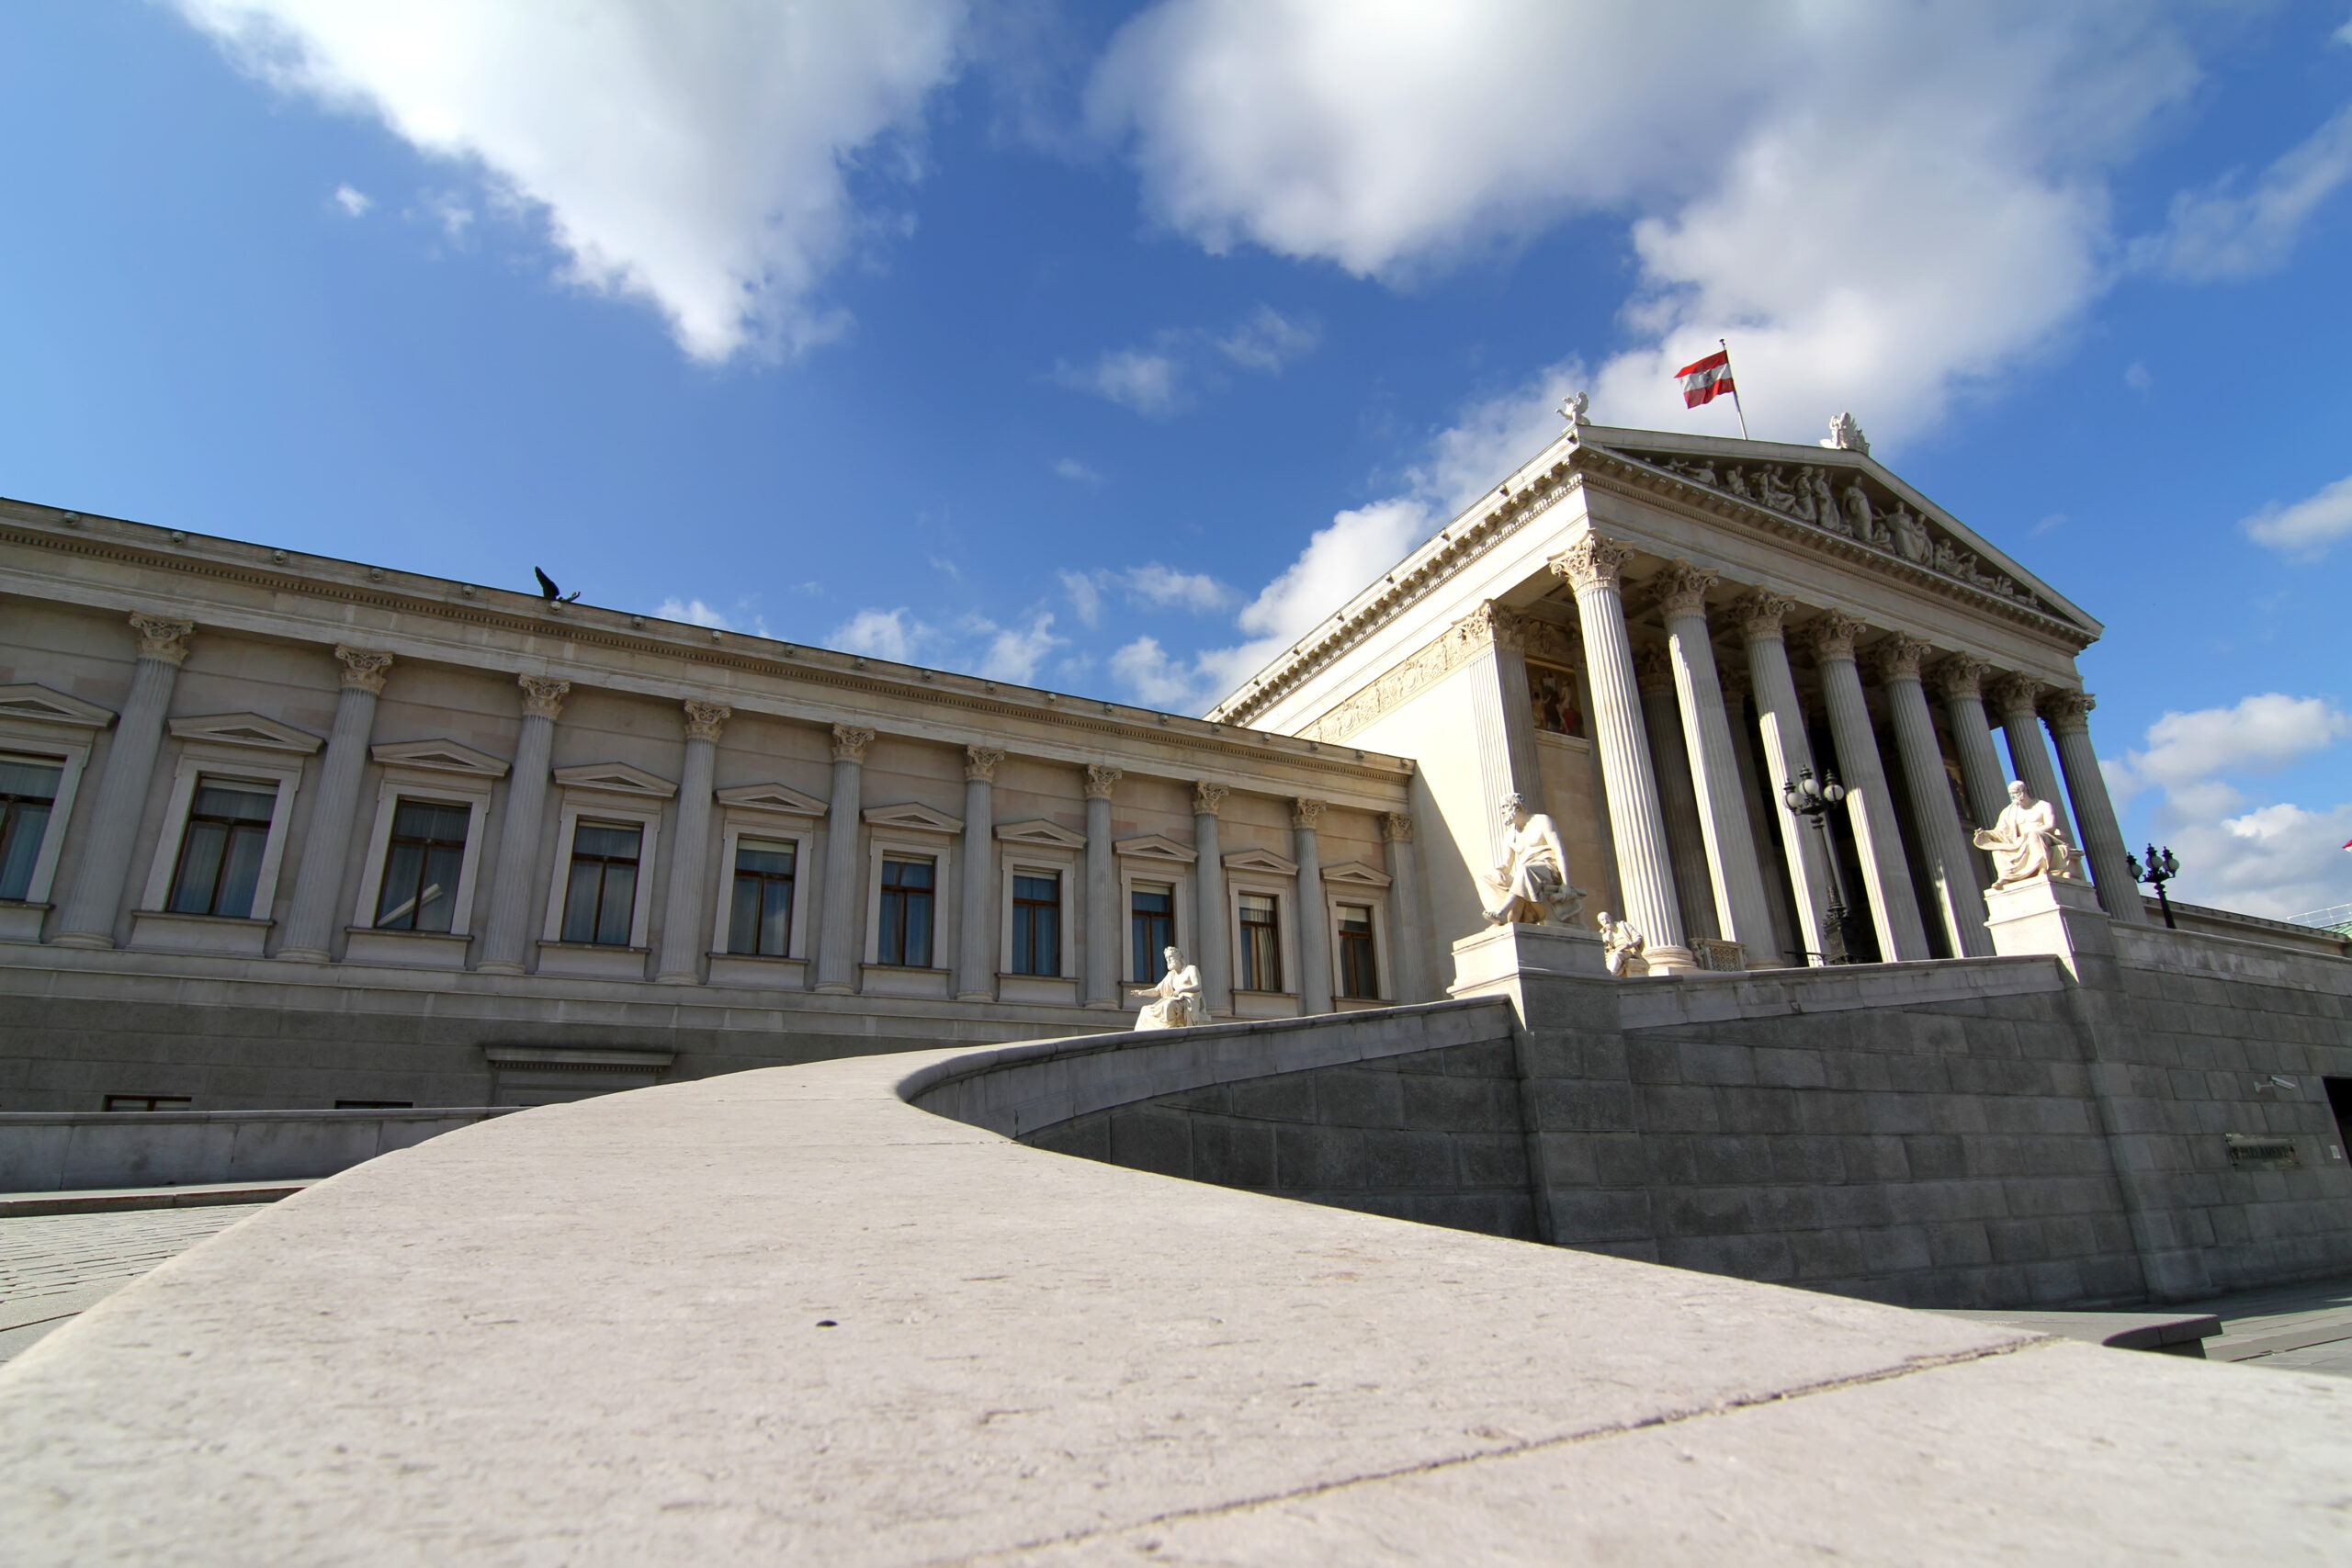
point(2026, 842)
point(1531, 878)
point(1846, 435)
point(1573, 408)
point(1180, 1002)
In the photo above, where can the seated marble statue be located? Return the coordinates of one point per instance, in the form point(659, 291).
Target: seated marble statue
point(1622, 948)
point(1180, 1001)
point(2026, 842)
point(1531, 879)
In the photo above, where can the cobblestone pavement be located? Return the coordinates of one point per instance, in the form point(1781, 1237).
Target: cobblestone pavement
point(54, 1266)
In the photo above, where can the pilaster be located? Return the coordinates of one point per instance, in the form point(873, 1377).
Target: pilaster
point(326, 846)
point(685, 910)
point(1101, 891)
point(1210, 938)
point(842, 937)
point(507, 931)
point(1409, 917)
point(976, 925)
point(1314, 930)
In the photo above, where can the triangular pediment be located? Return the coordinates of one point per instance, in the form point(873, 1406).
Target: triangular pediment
point(1040, 832)
point(775, 798)
point(439, 757)
point(1260, 860)
point(913, 819)
point(246, 730)
point(43, 706)
point(616, 778)
point(1158, 847)
point(1356, 874)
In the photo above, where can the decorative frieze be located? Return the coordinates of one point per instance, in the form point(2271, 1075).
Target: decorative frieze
point(849, 743)
point(1897, 658)
point(542, 695)
point(1681, 589)
point(705, 721)
point(1485, 628)
point(2068, 712)
point(1100, 779)
point(1208, 798)
point(1831, 634)
point(161, 640)
point(980, 763)
point(363, 670)
point(1592, 562)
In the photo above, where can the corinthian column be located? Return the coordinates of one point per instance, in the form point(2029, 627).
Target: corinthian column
point(842, 938)
point(1741, 912)
point(1592, 567)
point(506, 936)
point(1870, 809)
point(1314, 935)
point(684, 914)
point(318, 885)
point(1677, 801)
point(2017, 698)
point(2069, 714)
point(1409, 930)
point(1950, 859)
point(1959, 684)
point(92, 908)
point(1761, 615)
point(976, 969)
point(1101, 891)
point(1210, 947)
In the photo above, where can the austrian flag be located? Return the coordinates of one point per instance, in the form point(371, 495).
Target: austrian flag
point(1704, 380)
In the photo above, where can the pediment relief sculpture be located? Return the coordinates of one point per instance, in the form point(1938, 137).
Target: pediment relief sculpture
point(1040, 832)
point(246, 730)
point(916, 817)
point(1156, 846)
point(1261, 859)
point(777, 798)
point(1356, 874)
point(616, 778)
point(438, 757)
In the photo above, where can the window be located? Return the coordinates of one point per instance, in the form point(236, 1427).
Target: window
point(1359, 969)
point(906, 912)
point(28, 793)
point(760, 922)
point(1151, 922)
point(219, 865)
point(1262, 948)
point(421, 864)
point(1036, 923)
point(601, 894)
point(148, 1103)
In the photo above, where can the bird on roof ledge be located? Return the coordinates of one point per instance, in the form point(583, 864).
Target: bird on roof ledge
point(551, 594)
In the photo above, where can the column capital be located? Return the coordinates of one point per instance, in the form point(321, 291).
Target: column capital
point(1897, 658)
point(1653, 670)
point(1306, 813)
point(363, 671)
point(1762, 614)
point(2015, 694)
point(161, 640)
point(2068, 711)
point(849, 743)
point(542, 695)
point(1831, 633)
point(1592, 562)
point(1957, 676)
point(1102, 779)
point(705, 721)
point(1489, 622)
point(1396, 827)
point(1207, 798)
point(980, 763)
point(1683, 589)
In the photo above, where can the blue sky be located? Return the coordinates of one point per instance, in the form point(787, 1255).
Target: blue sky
point(1108, 347)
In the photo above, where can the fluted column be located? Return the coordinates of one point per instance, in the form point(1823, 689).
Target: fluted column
point(1211, 947)
point(1101, 891)
point(1677, 801)
point(1761, 614)
point(1950, 858)
point(96, 903)
point(2069, 714)
point(318, 885)
point(1762, 806)
point(1741, 913)
point(685, 910)
point(1869, 808)
point(843, 941)
point(1592, 567)
point(975, 927)
point(506, 938)
point(1407, 923)
point(1959, 685)
point(2017, 699)
point(1314, 917)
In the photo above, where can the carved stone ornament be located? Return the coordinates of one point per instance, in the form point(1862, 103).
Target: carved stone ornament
point(1760, 614)
point(1831, 636)
point(363, 671)
point(1653, 670)
point(1491, 623)
point(1306, 813)
point(704, 720)
point(1592, 562)
point(542, 695)
point(161, 640)
point(980, 763)
point(1959, 676)
point(1208, 798)
point(1897, 658)
point(2068, 711)
point(1573, 411)
point(1100, 779)
point(2015, 695)
point(1846, 435)
point(1396, 827)
point(1682, 589)
point(849, 743)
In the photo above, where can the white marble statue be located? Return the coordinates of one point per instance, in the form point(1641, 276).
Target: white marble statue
point(1180, 1001)
point(1846, 435)
point(2026, 842)
point(1530, 880)
point(1622, 948)
point(1573, 410)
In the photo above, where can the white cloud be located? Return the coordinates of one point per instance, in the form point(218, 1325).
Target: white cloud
point(974, 645)
point(2260, 734)
point(1269, 340)
point(2307, 528)
point(1085, 590)
point(880, 634)
point(692, 156)
point(699, 612)
point(1147, 383)
point(354, 202)
point(1159, 382)
point(1153, 678)
point(2216, 232)
point(2278, 861)
point(1014, 652)
point(1070, 469)
point(2136, 376)
point(1167, 586)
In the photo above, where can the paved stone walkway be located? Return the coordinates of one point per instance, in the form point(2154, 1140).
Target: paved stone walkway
point(2301, 1328)
point(54, 1266)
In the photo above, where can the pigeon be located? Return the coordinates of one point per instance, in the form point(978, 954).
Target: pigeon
point(551, 594)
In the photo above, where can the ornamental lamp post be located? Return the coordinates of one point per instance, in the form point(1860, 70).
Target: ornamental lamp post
point(2161, 868)
point(1811, 801)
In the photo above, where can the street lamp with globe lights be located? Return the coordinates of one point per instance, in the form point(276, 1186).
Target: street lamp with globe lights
point(1811, 801)
point(2161, 868)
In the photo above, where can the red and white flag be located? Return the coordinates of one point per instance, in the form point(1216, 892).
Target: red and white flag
point(1704, 380)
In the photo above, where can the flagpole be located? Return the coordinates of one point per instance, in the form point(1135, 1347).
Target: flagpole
point(1736, 405)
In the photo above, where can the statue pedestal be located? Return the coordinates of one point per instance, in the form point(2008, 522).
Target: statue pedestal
point(1500, 952)
point(2050, 914)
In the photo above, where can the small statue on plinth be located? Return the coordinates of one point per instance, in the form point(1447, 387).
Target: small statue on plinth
point(1180, 1001)
point(2026, 842)
point(1530, 880)
point(1622, 949)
